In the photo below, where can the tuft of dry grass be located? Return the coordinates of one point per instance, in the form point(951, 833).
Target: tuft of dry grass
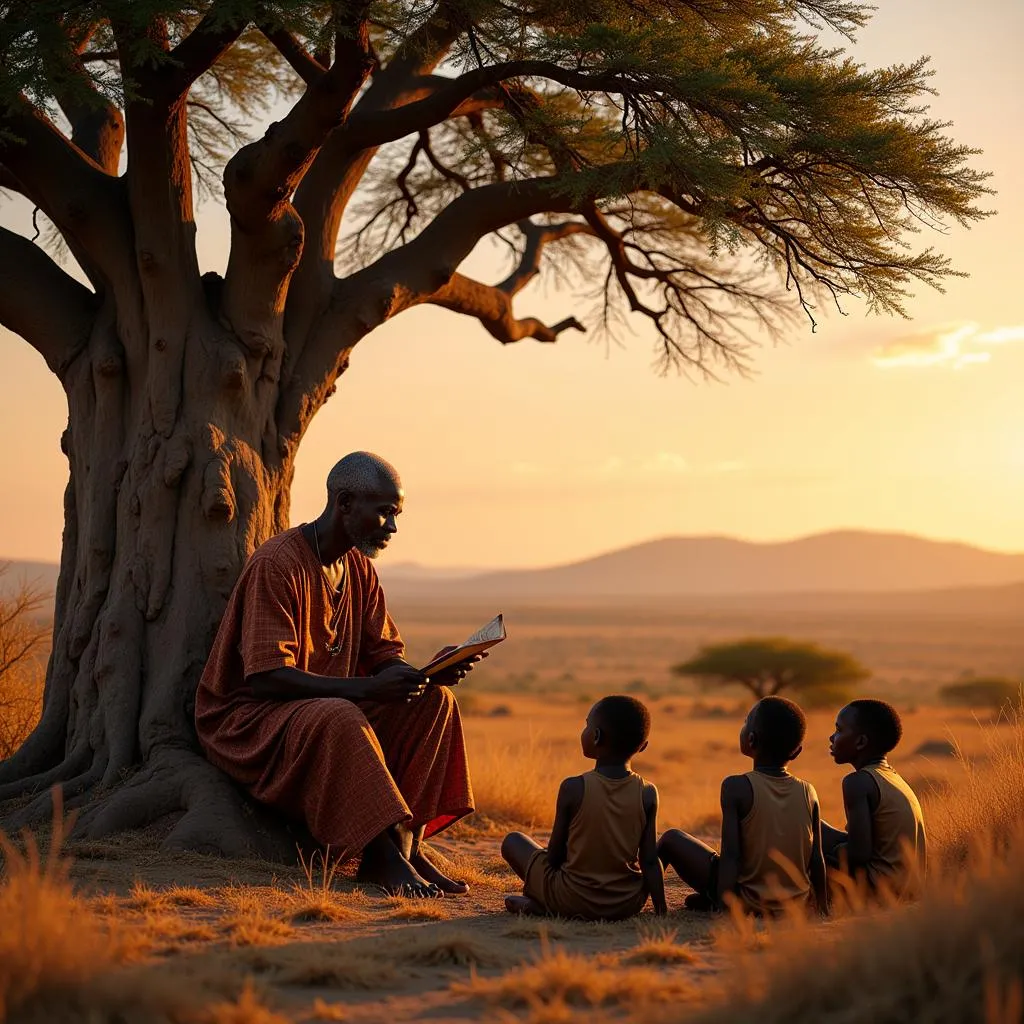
point(325, 965)
point(321, 1010)
point(660, 948)
point(247, 1009)
point(558, 977)
point(169, 932)
point(444, 947)
point(256, 927)
point(400, 909)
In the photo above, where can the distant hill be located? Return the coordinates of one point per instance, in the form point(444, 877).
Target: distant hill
point(848, 562)
point(841, 569)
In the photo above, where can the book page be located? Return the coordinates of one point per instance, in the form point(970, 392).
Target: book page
point(485, 637)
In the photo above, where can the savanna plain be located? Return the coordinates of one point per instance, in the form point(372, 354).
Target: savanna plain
point(120, 931)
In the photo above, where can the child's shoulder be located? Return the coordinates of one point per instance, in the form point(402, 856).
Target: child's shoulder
point(571, 789)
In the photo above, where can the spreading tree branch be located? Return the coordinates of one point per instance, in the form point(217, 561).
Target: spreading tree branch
point(328, 185)
point(97, 125)
point(85, 203)
point(307, 67)
point(214, 34)
point(43, 304)
point(492, 306)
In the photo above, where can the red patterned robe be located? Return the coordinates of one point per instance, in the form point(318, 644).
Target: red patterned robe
point(347, 770)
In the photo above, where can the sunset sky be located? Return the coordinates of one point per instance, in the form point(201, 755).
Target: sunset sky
point(535, 454)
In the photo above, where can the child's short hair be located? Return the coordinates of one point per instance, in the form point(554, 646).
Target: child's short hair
point(780, 725)
point(625, 723)
point(879, 721)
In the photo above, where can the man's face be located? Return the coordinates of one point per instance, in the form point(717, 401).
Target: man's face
point(370, 519)
point(847, 741)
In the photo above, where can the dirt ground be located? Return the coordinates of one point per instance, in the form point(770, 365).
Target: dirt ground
point(337, 952)
point(317, 947)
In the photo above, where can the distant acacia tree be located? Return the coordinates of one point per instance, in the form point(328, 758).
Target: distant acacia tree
point(705, 166)
point(768, 665)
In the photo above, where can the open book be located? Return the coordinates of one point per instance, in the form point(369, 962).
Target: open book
point(487, 636)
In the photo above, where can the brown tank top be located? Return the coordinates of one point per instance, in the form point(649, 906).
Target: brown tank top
point(602, 868)
point(776, 839)
point(898, 843)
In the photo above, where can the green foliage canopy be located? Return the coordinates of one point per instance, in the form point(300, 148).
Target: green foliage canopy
point(694, 144)
point(768, 665)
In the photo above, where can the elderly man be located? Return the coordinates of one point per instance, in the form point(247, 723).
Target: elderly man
point(307, 702)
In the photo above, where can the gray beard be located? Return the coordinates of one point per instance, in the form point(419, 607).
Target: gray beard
point(368, 548)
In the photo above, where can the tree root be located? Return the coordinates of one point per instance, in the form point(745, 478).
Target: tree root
point(217, 817)
point(71, 793)
point(71, 767)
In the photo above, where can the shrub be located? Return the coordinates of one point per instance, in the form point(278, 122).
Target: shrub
point(994, 693)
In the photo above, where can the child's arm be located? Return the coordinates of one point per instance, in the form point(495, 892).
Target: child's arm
point(737, 799)
point(858, 790)
point(570, 796)
point(650, 865)
point(819, 879)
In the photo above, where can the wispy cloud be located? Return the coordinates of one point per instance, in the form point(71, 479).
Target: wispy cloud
point(953, 346)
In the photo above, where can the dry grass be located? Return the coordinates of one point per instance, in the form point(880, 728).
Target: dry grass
point(399, 909)
point(562, 978)
point(958, 955)
point(660, 947)
point(321, 1010)
point(248, 1009)
point(256, 928)
point(514, 782)
point(986, 799)
point(323, 965)
point(444, 947)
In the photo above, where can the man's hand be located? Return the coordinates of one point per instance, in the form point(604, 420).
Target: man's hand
point(395, 683)
point(454, 674)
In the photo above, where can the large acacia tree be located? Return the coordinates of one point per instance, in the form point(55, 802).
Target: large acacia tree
point(706, 166)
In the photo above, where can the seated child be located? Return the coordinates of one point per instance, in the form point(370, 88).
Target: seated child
point(884, 841)
point(771, 854)
point(601, 862)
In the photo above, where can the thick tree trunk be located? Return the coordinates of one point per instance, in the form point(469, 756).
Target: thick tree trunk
point(176, 475)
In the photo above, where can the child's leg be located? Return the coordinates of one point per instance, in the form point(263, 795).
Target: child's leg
point(693, 860)
point(833, 840)
point(518, 849)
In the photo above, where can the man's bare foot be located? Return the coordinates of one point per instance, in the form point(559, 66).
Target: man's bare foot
point(384, 866)
point(430, 872)
point(525, 906)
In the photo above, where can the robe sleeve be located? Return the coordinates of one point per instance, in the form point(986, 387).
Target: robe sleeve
point(380, 641)
point(270, 615)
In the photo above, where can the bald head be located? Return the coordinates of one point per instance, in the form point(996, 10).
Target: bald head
point(364, 500)
point(362, 473)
